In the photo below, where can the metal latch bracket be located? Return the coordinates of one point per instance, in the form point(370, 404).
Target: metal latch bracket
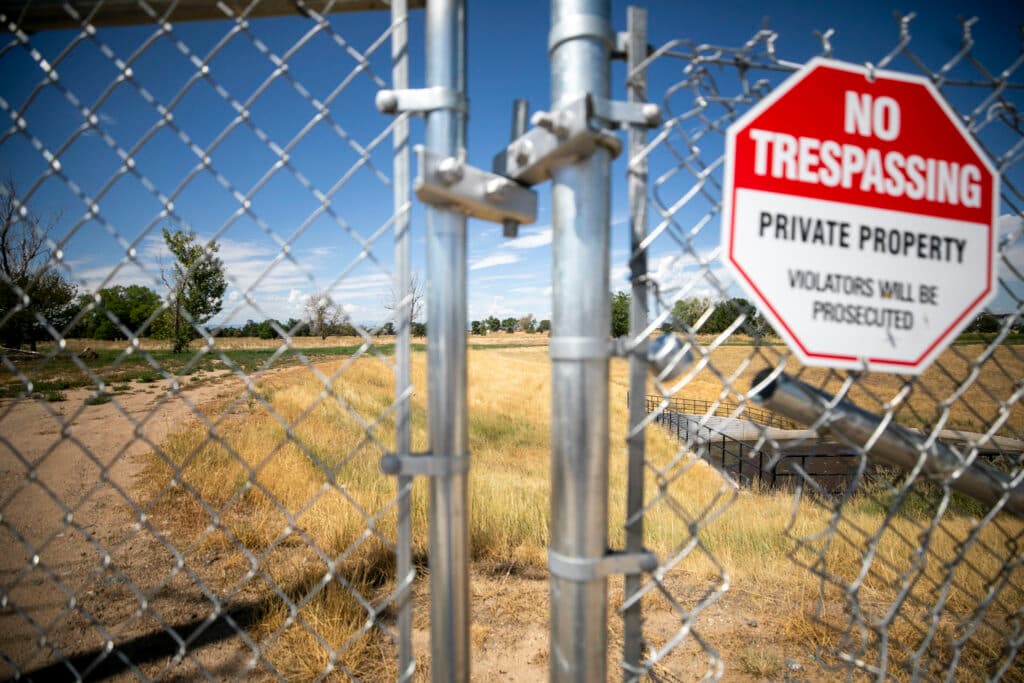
point(611, 563)
point(424, 464)
point(451, 183)
point(570, 134)
point(420, 100)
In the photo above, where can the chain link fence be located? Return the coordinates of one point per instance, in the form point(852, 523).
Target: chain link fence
point(218, 510)
point(893, 575)
point(173, 503)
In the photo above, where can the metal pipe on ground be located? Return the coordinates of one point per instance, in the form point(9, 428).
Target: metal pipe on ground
point(895, 445)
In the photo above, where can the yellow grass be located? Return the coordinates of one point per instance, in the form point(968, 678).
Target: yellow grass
point(328, 465)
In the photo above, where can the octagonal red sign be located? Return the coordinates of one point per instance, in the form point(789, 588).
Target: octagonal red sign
point(860, 215)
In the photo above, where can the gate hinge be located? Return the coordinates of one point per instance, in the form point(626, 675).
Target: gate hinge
point(424, 464)
point(569, 134)
point(611, 563)
point(420, 100)
point(450, 182)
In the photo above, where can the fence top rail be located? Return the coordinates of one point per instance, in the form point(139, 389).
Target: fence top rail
point(45, 15)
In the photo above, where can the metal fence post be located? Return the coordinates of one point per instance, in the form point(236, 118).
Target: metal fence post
point(403, 444)
point(632, 648)
point(446, 355)
point(579, 46)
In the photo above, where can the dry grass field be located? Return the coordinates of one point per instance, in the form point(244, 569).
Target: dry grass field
point(281, 490)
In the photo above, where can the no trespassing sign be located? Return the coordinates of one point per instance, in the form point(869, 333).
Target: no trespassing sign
point(860, 215)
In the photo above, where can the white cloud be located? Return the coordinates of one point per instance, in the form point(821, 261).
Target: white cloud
point(1010, 224)
point(534, 238)
point(100, 277)
point(685, 275)
point(321, 252)
point(619, 276)
point(505, 277)
point(498, 258)
point(1011, 230)
point(1011, 258)
point(531, 238)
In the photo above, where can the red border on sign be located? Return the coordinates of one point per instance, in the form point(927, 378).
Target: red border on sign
point(880, 361)
point(991, 199)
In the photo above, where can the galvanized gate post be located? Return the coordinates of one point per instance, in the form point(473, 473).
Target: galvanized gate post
point(636, 53)
point(446, 354)
point(403, 382)
point(580, 43)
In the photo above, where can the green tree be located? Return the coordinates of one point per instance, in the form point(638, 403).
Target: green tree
point(478, 327)
point(32, 289)
point(493, 324)
point(689, 310)
point(196, 283)
point(725, 313)
point(544, 326)
point(509, 325)
point(985, 323)
point(620, 314)
point(131, 307)
point(296, 327)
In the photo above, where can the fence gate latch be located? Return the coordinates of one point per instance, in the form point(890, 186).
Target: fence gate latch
point(424, 464)
point(419, 100)
point(449, 182)
point(566, 135)
point(613, 562)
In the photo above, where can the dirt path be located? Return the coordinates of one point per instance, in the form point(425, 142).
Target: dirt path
point(74, 560)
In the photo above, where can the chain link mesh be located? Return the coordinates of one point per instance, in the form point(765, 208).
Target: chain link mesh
point(219, 512)
point(147, 525)
point(897, 575)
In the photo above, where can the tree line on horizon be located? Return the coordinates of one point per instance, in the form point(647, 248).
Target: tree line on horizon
point(37, 301)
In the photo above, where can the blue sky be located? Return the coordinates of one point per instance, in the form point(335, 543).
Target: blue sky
point(345, 154)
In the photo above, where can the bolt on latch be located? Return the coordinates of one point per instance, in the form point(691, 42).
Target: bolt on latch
point(451, 182)
point(420, 100)
point(566, 135)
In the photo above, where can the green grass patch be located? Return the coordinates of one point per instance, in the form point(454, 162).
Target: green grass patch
point(1012, 339)
point(116, 369)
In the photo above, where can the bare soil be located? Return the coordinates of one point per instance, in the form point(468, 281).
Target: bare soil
point(77, 554)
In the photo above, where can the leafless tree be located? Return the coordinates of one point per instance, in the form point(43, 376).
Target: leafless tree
point(323, 314)
point(526, 323)
point(26, 269)
point(415, 298)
